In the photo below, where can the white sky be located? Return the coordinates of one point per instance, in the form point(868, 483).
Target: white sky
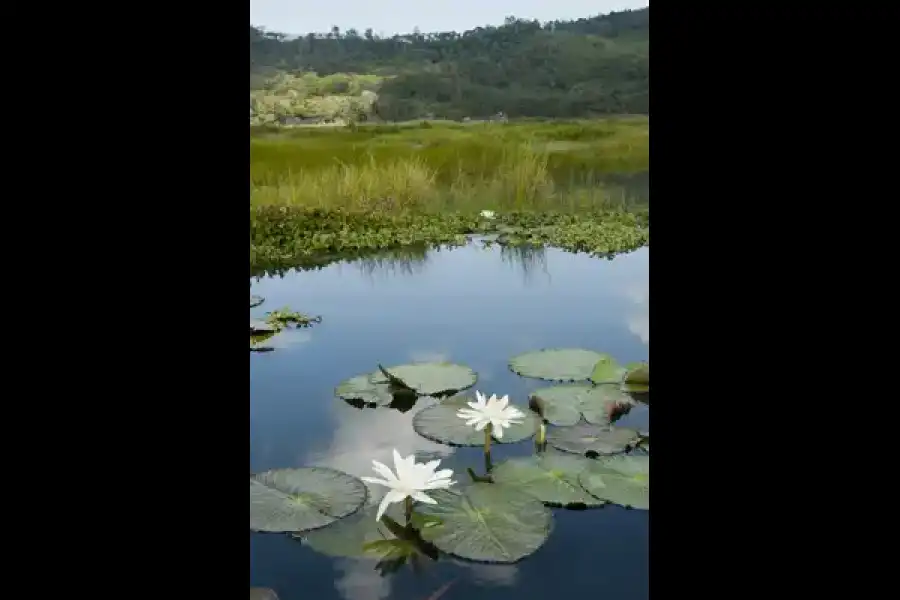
point(388, 17)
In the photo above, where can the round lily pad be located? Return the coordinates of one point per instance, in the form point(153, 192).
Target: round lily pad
point(622, 479)
point(551, 478)
point(256, 301)
point(350, 537)
point(487, 522)
point(637, 379)
point(259, 326)
point(431, 379)
point(440, 423)
point(607, 370)
point(566, 405)
point(286, 500)
point(592, 440)
point(565, 364)
point(361, 389)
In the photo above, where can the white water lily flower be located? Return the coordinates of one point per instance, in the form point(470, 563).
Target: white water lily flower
point(410, 481)
point(493, 410)
point(488, 214)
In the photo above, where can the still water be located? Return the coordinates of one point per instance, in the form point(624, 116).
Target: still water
point(475, 306)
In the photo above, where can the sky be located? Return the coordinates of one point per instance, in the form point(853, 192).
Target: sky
point(387, 17)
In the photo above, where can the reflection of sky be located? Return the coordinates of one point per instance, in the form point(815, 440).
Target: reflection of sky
point(468, 305)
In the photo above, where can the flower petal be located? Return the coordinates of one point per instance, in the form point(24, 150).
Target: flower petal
point(419, 496)
point(390, 498)
point(383, 470)
point(498, 430)
point(503, 402)
point(386, 484)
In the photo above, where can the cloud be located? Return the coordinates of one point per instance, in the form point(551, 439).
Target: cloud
point(360, 437)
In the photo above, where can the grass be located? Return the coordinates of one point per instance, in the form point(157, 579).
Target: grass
point(320, 192)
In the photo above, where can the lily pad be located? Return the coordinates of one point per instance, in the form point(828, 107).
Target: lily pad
point(259, 326)
point(622, 479)
point(566, 405)
point(487, 522)
point(607, 370)
point(256, 301)
point(430, 379)
point(286, 500)
point(637, 379)
point(352, 537)
point(551, 478)
point(593, 440)
point(565, 364)
point(439, 423)
point(360, 389)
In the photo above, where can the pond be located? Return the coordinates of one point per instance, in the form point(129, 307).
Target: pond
point(473, 306)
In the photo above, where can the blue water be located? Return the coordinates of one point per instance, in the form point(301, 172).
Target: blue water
point(473, 306)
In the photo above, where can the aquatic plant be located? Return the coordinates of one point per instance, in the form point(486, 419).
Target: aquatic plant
point(500, 516)
point(275, 321)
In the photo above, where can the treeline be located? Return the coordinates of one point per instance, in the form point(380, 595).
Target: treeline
point(582, 68)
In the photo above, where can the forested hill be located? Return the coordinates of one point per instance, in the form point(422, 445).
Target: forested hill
point(592, 66)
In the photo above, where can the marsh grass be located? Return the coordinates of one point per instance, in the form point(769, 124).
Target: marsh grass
point(444, 166)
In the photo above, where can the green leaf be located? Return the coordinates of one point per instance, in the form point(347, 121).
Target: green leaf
point(607, 370)
point(551, 478)
point(355, 536)
point(256, 301)
point(593, 440)
point(361, 389)
point(568, 364)
point(622, 479)
point(637, 380)
point(566, 405)
point(290, 500)
point(439, 423)
point(429, 379)
point(487, 522)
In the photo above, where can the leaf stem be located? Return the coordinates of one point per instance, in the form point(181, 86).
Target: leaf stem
point(409, 509)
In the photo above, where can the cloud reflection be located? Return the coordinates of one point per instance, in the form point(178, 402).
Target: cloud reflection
point(360, 437)
point(639, 316)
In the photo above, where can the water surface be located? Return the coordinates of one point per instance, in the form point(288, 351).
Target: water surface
point(473, 306)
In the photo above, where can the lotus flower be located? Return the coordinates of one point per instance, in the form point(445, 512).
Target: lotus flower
point(410, 481)
point(491, 411)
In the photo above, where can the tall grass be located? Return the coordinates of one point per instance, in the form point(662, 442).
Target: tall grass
point(434, 168)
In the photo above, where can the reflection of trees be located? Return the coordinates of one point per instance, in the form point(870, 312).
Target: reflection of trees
point(409, 260)
point(526, 257)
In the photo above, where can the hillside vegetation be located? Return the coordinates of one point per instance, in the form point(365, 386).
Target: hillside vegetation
point(563, 69)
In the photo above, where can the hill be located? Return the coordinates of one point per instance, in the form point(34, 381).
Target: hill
point(562, 69)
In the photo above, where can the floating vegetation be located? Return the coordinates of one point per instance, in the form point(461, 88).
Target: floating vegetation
point(274, 322)
point(500, 516)
point(283, 237)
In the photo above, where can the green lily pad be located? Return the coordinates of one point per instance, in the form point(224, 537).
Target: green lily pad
point(551, 478)
point(439, 423)
point(566, 405)
point(567, 364)
point(487, 522)
point(430, 379)
point(258, 326)
point(607, 370)
point(637, 379)
point(593, 440)
point(292, 500)
point(353, 537)
point(361, 389)
point(622, 479)
point(256, 301)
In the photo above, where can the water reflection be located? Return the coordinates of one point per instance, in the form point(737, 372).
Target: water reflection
point(469, 305)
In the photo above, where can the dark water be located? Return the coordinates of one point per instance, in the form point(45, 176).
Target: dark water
point(472, 306)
